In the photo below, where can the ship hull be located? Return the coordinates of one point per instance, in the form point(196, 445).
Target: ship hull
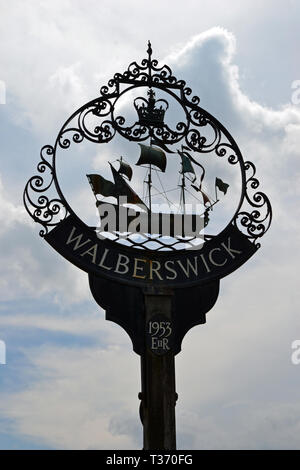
point(115, 218)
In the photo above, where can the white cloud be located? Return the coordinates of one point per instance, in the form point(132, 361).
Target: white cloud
point(78, 398)
point(66, 85)
point(242, 353)
point(78, 48)
point(253, 426)
point(9, 213)
point(29, 267)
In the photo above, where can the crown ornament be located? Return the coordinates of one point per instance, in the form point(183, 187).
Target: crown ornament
point(151, 112)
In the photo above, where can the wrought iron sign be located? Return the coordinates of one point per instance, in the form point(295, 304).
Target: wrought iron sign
point(162, 261)
point(179, 209)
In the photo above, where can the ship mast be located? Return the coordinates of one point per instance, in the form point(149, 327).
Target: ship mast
point(151, 156)
point(151, 115)
point(182, 196)
point(149, 183)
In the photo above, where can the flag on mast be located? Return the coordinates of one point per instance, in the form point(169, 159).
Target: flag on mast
point(221, 185)
point(187, 167)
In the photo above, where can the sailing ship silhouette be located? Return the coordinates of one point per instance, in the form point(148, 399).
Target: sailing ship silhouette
point(141, 218)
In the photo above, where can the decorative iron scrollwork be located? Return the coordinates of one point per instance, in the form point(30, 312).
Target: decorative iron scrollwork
point(98, 122)
point(254, 223)
point(44, 209)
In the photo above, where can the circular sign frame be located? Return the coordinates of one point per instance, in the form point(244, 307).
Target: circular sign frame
point(77, 242)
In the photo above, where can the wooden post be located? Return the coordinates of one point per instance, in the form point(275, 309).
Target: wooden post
point(158, 374)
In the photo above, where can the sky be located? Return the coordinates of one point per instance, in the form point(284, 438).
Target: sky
point(71, 379)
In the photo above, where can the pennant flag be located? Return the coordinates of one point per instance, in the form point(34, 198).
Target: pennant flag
point(205, 198)
point(101, 186)
point(185, 150)
point(204, 195)
point(187, 167)
point(221, 185)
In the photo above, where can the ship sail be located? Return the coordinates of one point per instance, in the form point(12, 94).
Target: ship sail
point(125, 169)
point(123, 189)
point(152, 156)
point(160, 144)
point(146, 221)
point(106, 188)
point(101, 185)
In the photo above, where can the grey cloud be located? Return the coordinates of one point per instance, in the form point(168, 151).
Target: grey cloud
point(243, 352)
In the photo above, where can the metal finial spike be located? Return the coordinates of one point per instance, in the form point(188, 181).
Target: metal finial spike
point(151, 93)
point(149, 51)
